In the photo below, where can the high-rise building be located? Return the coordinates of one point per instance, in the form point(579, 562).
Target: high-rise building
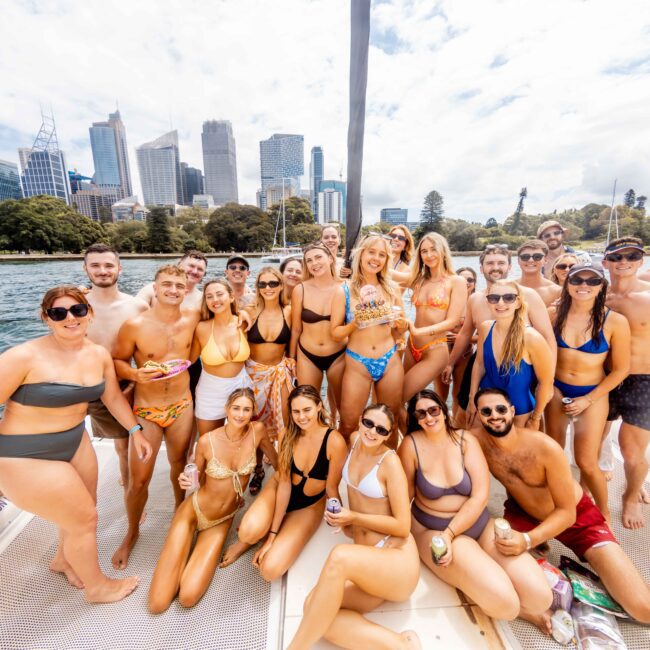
point(394, 216)
point(281, 156)
point(316, 175)
point(43, 166)
point(9, 181)
point(108, 144)
point(160, 170)
point(341, 188)
point(220, 161)
point(129, 209)
point(192, 183)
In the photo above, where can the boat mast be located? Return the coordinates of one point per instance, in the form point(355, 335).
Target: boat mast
point(284, 224)
point(613, 215)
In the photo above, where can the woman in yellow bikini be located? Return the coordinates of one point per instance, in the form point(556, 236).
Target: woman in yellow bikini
point(223, 349)
point(225, 459)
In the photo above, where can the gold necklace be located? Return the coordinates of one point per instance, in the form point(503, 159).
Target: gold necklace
point(229, 439)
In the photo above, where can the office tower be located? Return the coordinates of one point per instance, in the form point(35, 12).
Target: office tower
point(192, 183)
point(129, 209)
point(281, 156)
point(43, 166)
point(9, 181)
point(316, 175)
point(108, 144)
point(220, 161)
point(333, 212)
point(160, 170)
point(394, 216)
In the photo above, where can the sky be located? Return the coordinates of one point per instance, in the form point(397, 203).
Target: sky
point(475, 99)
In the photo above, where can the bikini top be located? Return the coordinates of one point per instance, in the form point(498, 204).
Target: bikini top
point(369, 485)
point(439, 301)
point(283, 338)
point(430, 491)
point(321, 465)
point(211, 355)
point(51, 394)
point(309, 316)
point(216, 469)
point(589, 347)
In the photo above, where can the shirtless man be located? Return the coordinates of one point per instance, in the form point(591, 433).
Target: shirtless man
point(546, 502)
point(552, 234)
point(495, 263)
point(630, 296)
point(237, 273)
point(195, 265)
point(532, 256)
point(164, 409)
point(111, 308)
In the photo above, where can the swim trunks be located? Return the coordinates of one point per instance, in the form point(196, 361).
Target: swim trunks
point(163, 416)
point(630, 400)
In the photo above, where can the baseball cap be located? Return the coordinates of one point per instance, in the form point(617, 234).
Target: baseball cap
point(549, 224)
point(620, 244)
point(588, 265)
point(238, 258)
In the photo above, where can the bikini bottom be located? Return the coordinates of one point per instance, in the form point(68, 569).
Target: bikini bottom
point(375, 367)
point(440, 523)
point(202, 522)
point(418, 353)
point(163, 416)
point(572, 391)
point(323, 363)
point(61, 445)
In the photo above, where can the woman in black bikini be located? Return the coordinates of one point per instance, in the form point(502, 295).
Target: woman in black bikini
point(312, 345)
point(290, 507)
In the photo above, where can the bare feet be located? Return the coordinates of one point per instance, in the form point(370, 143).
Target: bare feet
point(542, 621)
point(632, 514)
point(110, 591)
point(410, 640)
point(60, 565)
point(644, 497)
point(233, 552)
point(120, 558)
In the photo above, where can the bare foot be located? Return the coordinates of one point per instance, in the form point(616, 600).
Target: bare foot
point(411, 640)
point(542, 621)
point(608, 475)
point(233, 552)
point(60, 565)
point(644, 497)
point(632, 514)
point(121, 557)
point(111, 591)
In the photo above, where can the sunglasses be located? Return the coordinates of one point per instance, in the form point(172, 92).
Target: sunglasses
point(555, 233)
point(433, 411)
point(61, 313)
point(536, 257)
point(398, 237)
point(564, 267)
point(590, 282)
point(237, 267)
point(500, 409)
point(470, 280)
point(508, 298)
point(491, 247)
point(271, 284)
point(369, 424)
point(634, 256)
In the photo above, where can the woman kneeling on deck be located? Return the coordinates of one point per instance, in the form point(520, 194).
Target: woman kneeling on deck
point(225, 459)
point(383, 562)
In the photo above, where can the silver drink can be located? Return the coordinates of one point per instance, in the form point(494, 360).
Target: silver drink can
point(502, 528)
point(569, 400)
point(333, 505)
point(192, 472)
point(438, 548)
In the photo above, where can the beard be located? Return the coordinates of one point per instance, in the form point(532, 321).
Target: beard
point(498, 434)
point(103, 283)
point(554, 244)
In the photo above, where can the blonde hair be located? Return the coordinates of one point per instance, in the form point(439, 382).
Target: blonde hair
point(514, 344)
point(260, 303)
point(383, 276)
point(318, 246)
point(206, 314)
point(171, 269)
point(421, 272)
point(407, 254)
point(560, 259)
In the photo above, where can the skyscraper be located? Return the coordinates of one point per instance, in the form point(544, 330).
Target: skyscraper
point(9, 181)
point(192, 183)
point(160, 170)
point(108, 144)
point(281, 156)
point(333, 212)
point(316, 175)
point(220, 161)
point(394, 216)
point(43, 166)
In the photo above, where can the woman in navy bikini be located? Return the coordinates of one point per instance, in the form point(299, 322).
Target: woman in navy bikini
point(434, 454)
point(383, 562)
point(587, 334)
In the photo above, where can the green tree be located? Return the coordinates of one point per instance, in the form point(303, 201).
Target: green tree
point(129, 237)
point(640, 203)
point(629, 198)
point(491, 223)
point(432, 213)
point(159, 235)
point(105, 214)
point(235, 227)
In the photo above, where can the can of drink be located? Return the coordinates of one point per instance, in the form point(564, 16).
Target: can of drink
point(438, 548)
point(502, 528)
point(333, 505)
point(569, 400)
point(192, 472)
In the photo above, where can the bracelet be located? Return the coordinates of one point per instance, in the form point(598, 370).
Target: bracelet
point(535, 417)
point(273, 532)
point(453, 534)
point(528, 542)
point(134, 428)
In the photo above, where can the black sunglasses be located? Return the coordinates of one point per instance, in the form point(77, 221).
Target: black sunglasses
point(394, 235)
point(536, 257)
point(237, 267)
point(555, 233)
point(501, 409)
point(61, 313)
point(590, 282)
point(563, 267)
point(369, 424)
point(508, 298)
point(433, 411)
point(271, 284)
point(634, 256)
point(470, 280)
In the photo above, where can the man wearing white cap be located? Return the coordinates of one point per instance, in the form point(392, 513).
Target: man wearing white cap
point(552, 234)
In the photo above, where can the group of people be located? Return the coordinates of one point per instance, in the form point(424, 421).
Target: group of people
point(232, 377)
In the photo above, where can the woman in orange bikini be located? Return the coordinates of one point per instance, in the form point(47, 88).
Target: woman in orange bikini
point(439, 298)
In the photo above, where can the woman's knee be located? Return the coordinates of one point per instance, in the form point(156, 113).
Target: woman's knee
point(156, 603)
point(188, 596)
point(84, 522)
point(250, 531)
point(637, 605)
point(336, 562)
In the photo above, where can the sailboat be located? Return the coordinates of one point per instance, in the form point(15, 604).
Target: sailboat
point(613, 221)
point(280, 253)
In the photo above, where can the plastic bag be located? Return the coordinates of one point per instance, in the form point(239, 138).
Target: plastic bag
point(559, 584)
point(562, 628)
point(595, 629)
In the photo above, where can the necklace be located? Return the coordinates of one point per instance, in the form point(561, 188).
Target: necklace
point(229, 439)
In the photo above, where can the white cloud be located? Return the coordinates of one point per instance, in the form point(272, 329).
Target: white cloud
point(474, 99)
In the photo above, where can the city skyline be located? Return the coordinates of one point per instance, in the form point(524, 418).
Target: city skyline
point(219, 161)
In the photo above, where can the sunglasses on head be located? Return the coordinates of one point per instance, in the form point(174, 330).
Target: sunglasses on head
point(61, 313)
point(590, 282)
point(433, 411)
point(369, 424)
point(555, 233)
point(237, 267)
point(563, 267)
point(500, 409)
point(536, 257)
point(271, 284)
point(508, 298)
point(634, 256)
point(501, 247)
point(394, 235)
